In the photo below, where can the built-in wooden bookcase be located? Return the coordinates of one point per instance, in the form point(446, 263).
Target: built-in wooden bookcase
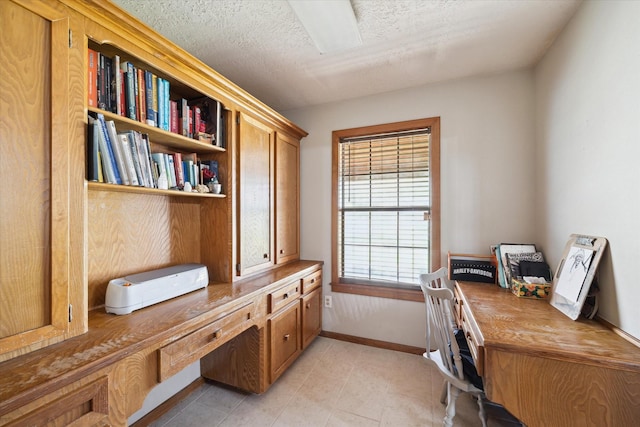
point(134, 228)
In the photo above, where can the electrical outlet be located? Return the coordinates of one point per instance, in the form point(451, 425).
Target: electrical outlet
point(328, 303)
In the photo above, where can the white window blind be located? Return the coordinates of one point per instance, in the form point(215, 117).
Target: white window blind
point(383, 208)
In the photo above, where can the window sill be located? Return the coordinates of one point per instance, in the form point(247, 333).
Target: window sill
point(379, 291)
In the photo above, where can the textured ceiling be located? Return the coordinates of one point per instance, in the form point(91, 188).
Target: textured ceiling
point(261, 46)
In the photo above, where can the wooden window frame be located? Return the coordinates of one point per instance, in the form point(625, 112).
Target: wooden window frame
point(434, 183)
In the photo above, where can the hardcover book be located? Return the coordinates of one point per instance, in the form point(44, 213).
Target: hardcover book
point(142, 98)
point(160, 101)
point(177, 163)
point(106, 156)
point(151, 112)
point(128, 157)
point(92, 150)
point(92, 78)
point(101, 82)
point(117, 149)
point(130, 90)
point(133, 148)
point(117, 89)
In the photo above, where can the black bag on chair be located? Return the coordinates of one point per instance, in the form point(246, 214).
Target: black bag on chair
point(468, 367)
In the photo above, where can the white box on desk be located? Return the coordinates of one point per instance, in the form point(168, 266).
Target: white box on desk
point(137, 291)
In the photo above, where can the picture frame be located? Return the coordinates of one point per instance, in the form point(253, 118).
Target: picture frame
point(574, 275)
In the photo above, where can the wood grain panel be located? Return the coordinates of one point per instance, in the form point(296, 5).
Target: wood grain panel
point(25, 156)
point(83, 404)
point(287, 202)
point(217, 246)
point(255, 195)
point(179, 354)
point(311, 316)
point(38, 201)
point(239, 362)
point(539, 390)
point(285, 336)
point(134, 378)
point(129, 234)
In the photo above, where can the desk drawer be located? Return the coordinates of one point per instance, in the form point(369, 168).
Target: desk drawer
point(474, 338)
point(179, 354)
point(311, 282)
point(283, 296)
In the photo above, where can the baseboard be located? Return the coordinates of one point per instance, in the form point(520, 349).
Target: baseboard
point(168, 404)
point(373, 343)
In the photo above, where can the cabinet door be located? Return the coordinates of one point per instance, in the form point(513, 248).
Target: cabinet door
point(287, 199)
point(255, 195)
point(284, 330)
point(311, 316)
point(41, 191)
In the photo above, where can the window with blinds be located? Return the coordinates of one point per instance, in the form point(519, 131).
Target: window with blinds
point(383, 208)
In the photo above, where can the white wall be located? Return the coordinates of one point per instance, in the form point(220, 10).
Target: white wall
point(588, 147)
point(488, 170)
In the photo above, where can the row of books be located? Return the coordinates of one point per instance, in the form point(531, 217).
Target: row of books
point(125, 158)
point(124, 89)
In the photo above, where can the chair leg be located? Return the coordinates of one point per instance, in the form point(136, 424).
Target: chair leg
point(452, 394)
point(481, 412)
point(443, 394)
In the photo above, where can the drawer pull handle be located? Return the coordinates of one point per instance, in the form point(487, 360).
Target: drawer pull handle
point(281, 251)
point(308, 305)
point(286, 337)
point(265, 256)
point(285, 296)
point(313, 280)
point(216, 334)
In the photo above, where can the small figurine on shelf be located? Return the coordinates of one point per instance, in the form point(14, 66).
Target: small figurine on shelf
point(214, 185)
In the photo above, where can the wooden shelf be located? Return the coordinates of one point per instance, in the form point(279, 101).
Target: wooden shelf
point(100, 186)
point(159, 136)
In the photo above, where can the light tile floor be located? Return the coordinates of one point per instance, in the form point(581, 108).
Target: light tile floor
point(333, 383)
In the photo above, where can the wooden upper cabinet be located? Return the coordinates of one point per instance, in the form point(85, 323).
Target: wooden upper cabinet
point(41, 169)
point(287, 199)
point(255, 195)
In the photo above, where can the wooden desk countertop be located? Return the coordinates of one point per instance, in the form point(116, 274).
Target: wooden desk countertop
point(547, 369)
point(534, 326)
point(111, 338)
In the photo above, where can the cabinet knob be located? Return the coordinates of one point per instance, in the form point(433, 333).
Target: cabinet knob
point(308, 305)
point(313, 280)
point(216, 334)
point(285, 296)
point(286, 337)
point(265, 256)
point(281, 251)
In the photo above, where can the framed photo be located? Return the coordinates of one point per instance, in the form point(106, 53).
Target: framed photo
point(573, 277)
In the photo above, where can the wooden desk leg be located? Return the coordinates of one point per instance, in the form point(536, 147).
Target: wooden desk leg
point(240, 362)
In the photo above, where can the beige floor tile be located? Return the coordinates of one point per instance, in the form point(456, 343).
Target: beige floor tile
point(198, 415)
point(272, 402)
point(303, 412)
point(334, 384)
point(251, 413)
point(344, 419)
point(408, 410)
point(221, 398)
point(363, 394)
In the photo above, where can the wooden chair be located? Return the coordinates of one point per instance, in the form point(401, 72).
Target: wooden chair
point(438, 295)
